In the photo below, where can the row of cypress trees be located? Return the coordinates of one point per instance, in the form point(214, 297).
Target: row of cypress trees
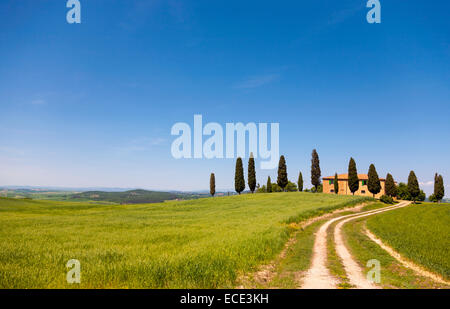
point(239, 182)
point(282, 177)
point(373, 183)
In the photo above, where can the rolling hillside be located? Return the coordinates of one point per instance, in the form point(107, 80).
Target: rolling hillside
point(117, 196)
point(202, 243)
point(127, 197)
point(421, 233)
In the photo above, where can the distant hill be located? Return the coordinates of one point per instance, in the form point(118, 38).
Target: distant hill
point(127, 197)
point(63, 189)
point(101, 196)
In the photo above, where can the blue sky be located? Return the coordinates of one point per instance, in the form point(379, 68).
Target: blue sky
point(92, 104)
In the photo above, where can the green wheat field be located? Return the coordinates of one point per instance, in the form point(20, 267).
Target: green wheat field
point(204, 243)
point(419, 232)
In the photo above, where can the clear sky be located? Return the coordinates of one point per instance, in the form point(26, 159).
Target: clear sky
point(92, 104)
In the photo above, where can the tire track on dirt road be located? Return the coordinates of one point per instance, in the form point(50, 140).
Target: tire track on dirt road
point(318, 276)
point(352, 268)
point(418, 269)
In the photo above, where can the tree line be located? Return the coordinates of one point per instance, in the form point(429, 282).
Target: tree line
point(409, 191)
point(282, 185)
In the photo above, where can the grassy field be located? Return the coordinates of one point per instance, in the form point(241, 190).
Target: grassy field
point(420, 233)
point(203, 243)
point(127, 197)
point(393, 274)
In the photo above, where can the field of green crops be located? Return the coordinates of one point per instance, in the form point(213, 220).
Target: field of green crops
point(203, 243)
point(419, 232)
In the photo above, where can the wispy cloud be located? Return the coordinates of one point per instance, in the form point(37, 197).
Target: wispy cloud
point(257, 81)
point(148, 141)
point(427, 183)
point(139, 145)
point(157, 141)
point(330, 20)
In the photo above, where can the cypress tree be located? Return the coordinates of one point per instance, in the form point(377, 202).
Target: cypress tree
point(300, 182)
point(389, 187)
point(269, 185)
point(239, 182)
point(315, 169)
point(282, 179)
point(212, 184)
point(413, 186)
point(373, 184)
point(336, 184)
point(353, 181)
point(251, 173)
point(439, 190)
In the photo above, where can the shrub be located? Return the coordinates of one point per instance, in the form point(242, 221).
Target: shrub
point(421, 197)
point(387, 199)
point(262, 189)
point(433, 198)
point(318, 190)
point(402, 192)
point(276, 188)
point(291, 187)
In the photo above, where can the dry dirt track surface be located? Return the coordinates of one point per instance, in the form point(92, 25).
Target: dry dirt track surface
point(353, 270)
point(318, 276)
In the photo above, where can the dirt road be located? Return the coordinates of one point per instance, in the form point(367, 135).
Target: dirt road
point(352, 269)
point(318, 276)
